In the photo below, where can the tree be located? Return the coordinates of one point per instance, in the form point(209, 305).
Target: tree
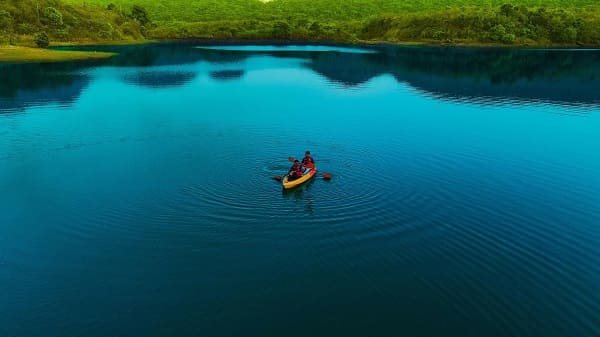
point(5, 20)
point(140, 14)
point(53, 16)
point(41, 40)
point(568, 34)
point(281, 30)
point(508, 9)
point(316, 29)
point(499, 33)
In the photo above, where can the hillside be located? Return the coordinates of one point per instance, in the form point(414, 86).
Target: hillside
point(331, 10)
point(532, 22)
point(21, 20)
point(472, 22)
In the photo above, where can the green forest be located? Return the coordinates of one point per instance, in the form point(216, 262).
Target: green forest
point(470, 22)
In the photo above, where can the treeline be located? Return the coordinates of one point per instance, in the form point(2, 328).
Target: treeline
point(283, 29)
point(507, 24)
point(322, 10)
point(42, 21)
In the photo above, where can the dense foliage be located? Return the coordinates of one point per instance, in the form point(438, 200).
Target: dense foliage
point(42, 40)
point(531, 22)
point(41, 21)
point(506, 24)
point(322, 10)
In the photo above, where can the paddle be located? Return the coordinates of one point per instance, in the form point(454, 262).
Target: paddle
point(279, 178)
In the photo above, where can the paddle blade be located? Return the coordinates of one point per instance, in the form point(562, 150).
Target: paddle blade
point(327, 176)
point(291, 159)
point(277, 178)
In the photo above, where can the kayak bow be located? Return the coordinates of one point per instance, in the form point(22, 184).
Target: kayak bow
point(308, 174)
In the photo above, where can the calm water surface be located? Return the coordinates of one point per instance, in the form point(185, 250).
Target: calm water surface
point(137, 194)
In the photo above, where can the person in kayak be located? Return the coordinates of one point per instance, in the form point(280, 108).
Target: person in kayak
point(296, 171)
point(308, 160)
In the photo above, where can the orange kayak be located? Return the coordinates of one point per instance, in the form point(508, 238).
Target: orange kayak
point(308, 174)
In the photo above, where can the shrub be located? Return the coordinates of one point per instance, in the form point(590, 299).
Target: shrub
point(5, 20)
point(281, 30)
point(508, 9)
point(26, 28)
point(131, 29)
point(53, 16)
point(501, 34)
point(439, 34)
point(41, 40)
point(139, 13)
point(569, 34)
point(62, 34)
point(508, 38)
point(315, 28)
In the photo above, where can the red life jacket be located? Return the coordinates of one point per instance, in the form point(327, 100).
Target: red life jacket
point(308, 160)
point(297, 171)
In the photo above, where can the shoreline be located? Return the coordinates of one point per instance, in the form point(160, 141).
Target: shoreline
point(424, 43)
point(375, 43)
point(26, 54)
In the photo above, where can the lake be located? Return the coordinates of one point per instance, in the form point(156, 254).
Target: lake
point(138, 194)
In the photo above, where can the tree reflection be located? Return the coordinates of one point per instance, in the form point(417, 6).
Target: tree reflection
point(478, 75)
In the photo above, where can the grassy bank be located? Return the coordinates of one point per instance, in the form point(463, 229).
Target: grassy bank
point(25, 54)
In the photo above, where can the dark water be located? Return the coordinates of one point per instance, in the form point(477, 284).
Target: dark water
point(136, 193)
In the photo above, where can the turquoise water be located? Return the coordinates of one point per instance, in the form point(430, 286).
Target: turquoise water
point(138, 199)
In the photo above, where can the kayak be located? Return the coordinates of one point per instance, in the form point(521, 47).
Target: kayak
point(308, 173)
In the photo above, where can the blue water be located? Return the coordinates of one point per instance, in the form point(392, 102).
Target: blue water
point(137, 195)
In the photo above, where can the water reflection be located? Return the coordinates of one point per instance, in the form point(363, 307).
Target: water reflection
point(158, 79)
point(481, 76)
point(473, 74)
point(301, 196)
point(23, 85)
point(224, 75)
